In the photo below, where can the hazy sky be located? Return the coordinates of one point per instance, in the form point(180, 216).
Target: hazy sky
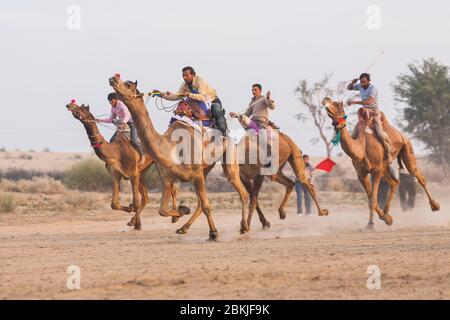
point(232, 44)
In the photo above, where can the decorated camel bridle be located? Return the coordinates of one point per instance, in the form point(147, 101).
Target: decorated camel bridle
point(96, 139)
point(339, 123)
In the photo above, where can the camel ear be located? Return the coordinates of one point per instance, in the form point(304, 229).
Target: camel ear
point(87, 107)
point(135, 83)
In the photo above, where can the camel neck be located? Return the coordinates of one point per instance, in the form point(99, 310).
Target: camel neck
point(352, 147)
point(151, 139)
point(93, 133)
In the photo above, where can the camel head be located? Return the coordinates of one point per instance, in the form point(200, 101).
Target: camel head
point(335, 111)
point(81, 113)
point(126, 90)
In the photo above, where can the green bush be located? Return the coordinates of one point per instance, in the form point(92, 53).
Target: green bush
point(88, 175)
point(152, 179)
point(7, 203)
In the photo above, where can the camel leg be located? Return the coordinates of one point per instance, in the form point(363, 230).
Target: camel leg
point(197, 211)
point(393, 184)
point(165, 198)
point(115, 204)
point(184, 229)
point(408, 158)
point(299, 169)
point(200, 190)
point(289, 184)
point(312, 192)
point(257, 183)
point(232, 173)
point(365, 181)
point(136, 187)
point(249, 187)
point(373, 201)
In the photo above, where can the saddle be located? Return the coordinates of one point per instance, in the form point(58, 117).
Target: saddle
point(365, 118)
point(191, 109)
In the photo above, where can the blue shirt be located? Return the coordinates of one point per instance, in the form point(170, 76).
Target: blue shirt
point(371, 91)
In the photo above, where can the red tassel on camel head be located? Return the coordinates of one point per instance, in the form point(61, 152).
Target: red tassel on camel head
point(72, 101)
point(117, 75)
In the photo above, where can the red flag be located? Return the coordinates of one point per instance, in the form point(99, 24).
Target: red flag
point(326, 165)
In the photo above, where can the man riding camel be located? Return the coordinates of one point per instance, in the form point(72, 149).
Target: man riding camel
point(369, 96)
point(121, 116)
point(256, 116)
point(198, 89)
point(258, 107)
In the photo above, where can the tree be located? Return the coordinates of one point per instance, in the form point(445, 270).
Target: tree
point(311, 99)
point(425, 92)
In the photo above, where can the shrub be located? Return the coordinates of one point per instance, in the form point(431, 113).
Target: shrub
point(88, 175)
point(7, 203)
point(45, 185)
point(152, 179)
point(16, 174)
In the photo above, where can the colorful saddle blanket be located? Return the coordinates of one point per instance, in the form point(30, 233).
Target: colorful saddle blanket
point(195, 110)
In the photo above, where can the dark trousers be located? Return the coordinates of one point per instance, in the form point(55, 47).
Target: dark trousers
point(299, 189)
point(134, 138)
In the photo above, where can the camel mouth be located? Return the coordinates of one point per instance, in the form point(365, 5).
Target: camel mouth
point(112, 81)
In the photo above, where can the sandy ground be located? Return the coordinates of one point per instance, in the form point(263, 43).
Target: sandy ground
point(298, 258)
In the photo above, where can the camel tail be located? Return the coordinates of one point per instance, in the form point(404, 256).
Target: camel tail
point(400, 163)
point(295, 159)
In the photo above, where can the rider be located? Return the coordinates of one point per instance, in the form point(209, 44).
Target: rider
point(258, 108)
point(257, 114)
point(198, 89)
point(369, 96)
point(120, 116)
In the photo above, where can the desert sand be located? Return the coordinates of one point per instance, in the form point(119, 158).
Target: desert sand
point(302, 257)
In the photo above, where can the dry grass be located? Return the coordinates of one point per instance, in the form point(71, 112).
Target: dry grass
point(7, 203)
point(44, 185)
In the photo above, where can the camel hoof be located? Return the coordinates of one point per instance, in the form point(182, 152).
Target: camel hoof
point(370, 225)
point(137, 227)
point(183, 210)
point(266, 226)
point(282, 214)
point(130, 208)
point(213, 236)
point(387, 219)
point(181, 231)
point(324, 212)
point(130, 224)
point(175, 219)
point(434, 205)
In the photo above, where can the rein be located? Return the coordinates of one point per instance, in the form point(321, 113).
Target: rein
point(338, 124)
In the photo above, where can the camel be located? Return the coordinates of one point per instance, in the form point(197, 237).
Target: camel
point(252, 178)
point(160, 147)
point(368, 157)
point(121, 160)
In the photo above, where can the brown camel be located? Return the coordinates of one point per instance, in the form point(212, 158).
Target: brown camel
point(121, 160)
point(252, 178)
point(161, 147)
point(368, 157)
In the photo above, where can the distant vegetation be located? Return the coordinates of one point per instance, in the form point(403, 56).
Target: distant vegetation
point(88, 175)
point(7, 203)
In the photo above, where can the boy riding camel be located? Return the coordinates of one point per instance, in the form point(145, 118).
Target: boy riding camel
point(120, 116)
